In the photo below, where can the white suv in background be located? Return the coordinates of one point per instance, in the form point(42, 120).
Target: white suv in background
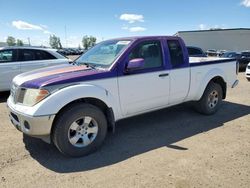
point(16, 60)
point(248, 72)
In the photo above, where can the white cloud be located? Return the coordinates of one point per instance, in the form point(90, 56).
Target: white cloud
point(202, 26)
point(132, 18)
point(28, 26)
point(245, 3)
point(25, 26)
point(134, 29)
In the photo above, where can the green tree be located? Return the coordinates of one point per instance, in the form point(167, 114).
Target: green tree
point(59, 43)
point(11, 41)
point(19, 42)
point(55, 42)
point(88, 42)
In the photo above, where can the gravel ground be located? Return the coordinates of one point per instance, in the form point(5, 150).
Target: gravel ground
point(73, 57)
point(174, 147)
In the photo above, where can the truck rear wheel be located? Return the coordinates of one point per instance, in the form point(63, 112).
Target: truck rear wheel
point(210, 100)
point(80, 130)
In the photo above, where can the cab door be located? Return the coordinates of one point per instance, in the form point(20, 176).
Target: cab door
point(148, 87)
point(9, 68)
point(180, 71)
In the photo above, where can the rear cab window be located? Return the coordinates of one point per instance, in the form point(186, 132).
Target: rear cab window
point(176, 53)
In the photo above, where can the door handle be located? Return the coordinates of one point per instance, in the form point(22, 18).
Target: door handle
point(163, 75)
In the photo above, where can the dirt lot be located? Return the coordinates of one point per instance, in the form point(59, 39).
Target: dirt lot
point(73, 57)
point(174, 147)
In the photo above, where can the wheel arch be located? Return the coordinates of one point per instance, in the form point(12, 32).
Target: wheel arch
point(108, 111)
point(216, 76)
point(219, 80)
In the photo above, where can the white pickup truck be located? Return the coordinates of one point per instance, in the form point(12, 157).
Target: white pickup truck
point(73, 105)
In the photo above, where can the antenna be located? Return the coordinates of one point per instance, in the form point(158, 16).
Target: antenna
point(29, 41)
point(65, 32)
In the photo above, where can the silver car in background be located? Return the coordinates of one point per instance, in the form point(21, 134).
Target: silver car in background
point(247, 73)
point(16, 60)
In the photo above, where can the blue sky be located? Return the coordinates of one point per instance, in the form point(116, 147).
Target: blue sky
point(113, 18)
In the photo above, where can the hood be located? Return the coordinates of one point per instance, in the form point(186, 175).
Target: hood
point(61, 74)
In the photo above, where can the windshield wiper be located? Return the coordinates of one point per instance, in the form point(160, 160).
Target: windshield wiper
point(88, 65)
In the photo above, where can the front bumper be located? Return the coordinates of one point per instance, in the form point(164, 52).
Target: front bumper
point(31, 125)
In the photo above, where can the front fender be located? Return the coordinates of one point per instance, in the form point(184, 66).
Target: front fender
point(57, 100)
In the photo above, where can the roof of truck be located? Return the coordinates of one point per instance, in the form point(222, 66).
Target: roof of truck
point(144, 37)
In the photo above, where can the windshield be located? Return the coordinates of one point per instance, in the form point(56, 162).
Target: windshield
point(103, 54)
point(229, 54)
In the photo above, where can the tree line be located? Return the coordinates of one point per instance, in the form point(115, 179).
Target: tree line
point(11, 41)
point(55, 42)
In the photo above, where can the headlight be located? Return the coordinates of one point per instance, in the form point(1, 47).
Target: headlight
point(33, 96)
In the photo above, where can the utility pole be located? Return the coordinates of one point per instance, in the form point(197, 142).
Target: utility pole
point(29, 41)
point(65, 32)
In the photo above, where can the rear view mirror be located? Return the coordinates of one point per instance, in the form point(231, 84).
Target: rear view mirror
point(135, 64)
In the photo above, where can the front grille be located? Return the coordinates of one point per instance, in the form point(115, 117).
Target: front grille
point(248, 66)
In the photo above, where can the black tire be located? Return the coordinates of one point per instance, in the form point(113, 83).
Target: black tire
point(204, 105)
point(67, 117)
point(248, 79)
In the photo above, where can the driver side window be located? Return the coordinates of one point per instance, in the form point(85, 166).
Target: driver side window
point(150, 51)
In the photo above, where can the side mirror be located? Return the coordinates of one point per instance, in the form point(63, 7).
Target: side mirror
point(135, 64)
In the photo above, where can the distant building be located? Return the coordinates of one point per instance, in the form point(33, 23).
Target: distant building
point(237, 39)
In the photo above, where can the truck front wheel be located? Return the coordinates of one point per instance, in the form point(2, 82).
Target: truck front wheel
point(79, 130)
point(210, 100)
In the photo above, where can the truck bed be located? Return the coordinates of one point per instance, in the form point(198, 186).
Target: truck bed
point(196, 61)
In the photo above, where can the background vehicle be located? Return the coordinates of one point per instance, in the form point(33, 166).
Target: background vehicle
point(73, 105)
point(244, 60)
point(221, 52)
point(211, 52)
point(195, 52)
point(16, 60)
point(248, 72)
point(231, 55)
point(70, 51)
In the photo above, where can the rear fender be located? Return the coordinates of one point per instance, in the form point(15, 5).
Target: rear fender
point(207, 78)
